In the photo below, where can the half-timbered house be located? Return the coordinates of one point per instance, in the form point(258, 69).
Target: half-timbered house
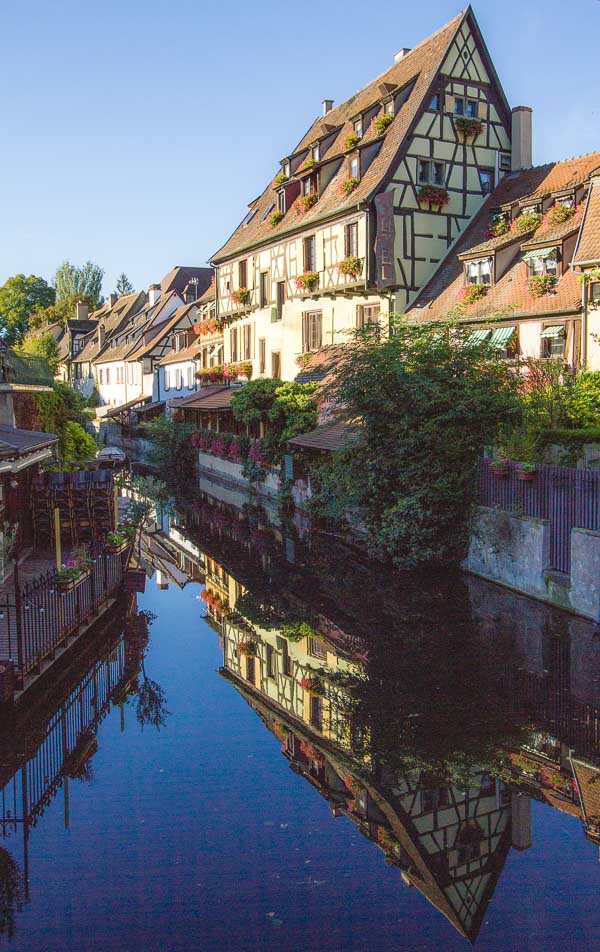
point(365, 207)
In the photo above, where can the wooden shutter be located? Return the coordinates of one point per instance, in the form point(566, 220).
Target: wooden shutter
point(360, 315)
point(449, 103)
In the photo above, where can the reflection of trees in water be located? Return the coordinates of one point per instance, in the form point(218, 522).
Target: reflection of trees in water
point(150, 699)
point(12, 892)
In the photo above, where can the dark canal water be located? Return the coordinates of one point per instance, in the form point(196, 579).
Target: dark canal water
point(279, 747)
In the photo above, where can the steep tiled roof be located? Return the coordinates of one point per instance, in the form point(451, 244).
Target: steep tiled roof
point(588, 246)
point(111, 320)
point(419, 66)
point(180, 276)
point(186, 353)
point(328, 437)
point(163, 329)
point(510, 296)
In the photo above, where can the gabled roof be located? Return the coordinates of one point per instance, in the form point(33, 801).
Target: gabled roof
point(510, 296)
point(588, 245)
point(180, 276)
point(418, 67)
point(16, 442)
point(162, 330)
point(111, 320)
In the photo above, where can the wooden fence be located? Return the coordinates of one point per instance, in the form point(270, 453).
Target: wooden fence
point(567, 498)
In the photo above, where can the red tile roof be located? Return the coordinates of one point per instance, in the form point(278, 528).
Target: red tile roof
point(510, 296)
point(588, 246)
point(419, 66)
point(327, 438)
point(208, 398)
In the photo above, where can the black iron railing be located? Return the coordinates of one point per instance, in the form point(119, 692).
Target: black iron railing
point(567, 498)
point(38, 617)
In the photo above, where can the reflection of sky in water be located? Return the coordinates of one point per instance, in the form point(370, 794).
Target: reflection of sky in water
point(199, 836)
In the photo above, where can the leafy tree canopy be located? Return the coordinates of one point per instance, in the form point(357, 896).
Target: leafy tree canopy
point(287, 409)
point(63, 412)
point(124, 285)
point(59, 312)
point(41, 345)
point(20, 296)
point(425, 405)
point(84, 282)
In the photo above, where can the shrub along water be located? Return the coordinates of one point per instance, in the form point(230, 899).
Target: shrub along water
point(424, 405)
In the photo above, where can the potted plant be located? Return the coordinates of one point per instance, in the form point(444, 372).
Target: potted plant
point(304, 202)
point(74, 571)
point(309, 281)
point(240, 297)
point(500, 468)
point(472, 293)
point(468, 126)
point(348, 185)
point(351, 141)
point(350, 267)
point(116, 542)
point(274, 218)
point(433, 195)
point(526, 472)
point(541, 284)
point(381, 122)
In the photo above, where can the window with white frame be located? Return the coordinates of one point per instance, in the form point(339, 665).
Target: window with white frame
point(546, 262)
point(287, 168)
point(190, 377)
point(167, 380)
point(388, 107)
point(367, 314)
point(553, 341)
point(431, 172)
point(479, 271)
point(351, 240)
point(358, 127)
point(315, 152)
point(178, 379)
point(281, 202)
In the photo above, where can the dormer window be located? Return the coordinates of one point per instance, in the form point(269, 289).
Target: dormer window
point(478, 271)
point(542, 261)
point(388, 107)
point(309, 185)
point(358, 127)
point(531, 210)
point(567, 201)
point(354, 167)
point(287, 169)
point(281, 202)
point(315, 152)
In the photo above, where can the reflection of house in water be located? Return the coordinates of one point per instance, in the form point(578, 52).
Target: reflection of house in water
point(52, 741)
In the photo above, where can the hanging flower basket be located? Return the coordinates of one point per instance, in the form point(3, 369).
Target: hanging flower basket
point(350, 267)
point(274, 219)
point(348, 185)
point(472, 293)
point(527, 472)
point(309, 281)
point(381, 123)
point(433, 195)
point(240, 297)
point(500, 468)
point(541, 284)
point(304, 202)
point(468, 127)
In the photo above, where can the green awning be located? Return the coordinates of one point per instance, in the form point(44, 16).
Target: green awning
point(478, 337)
point(557, 330)
point(501, 337)
point(540, 253)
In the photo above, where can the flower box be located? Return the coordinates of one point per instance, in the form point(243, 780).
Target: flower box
point(309, 281)
point(351, 142)
point(350, 267)
point(304, 202)
point(526, 473)
point(240, 297)
point(433, 195)
point(274, 218)
point(381, 123)
point(541, 284)
point(348, 185)
point(115, 548)
point(500, 469)
point(65, 585)
point(468, 127)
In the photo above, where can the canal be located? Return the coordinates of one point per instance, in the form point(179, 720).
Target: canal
point(280, 746)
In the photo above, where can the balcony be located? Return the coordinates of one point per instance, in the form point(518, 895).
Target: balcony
point(23, 372)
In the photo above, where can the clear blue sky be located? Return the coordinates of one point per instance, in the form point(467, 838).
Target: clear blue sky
point(135, 133)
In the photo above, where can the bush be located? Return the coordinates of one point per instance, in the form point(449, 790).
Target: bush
point(286, 409)
point(75, 446)
point(584, 403)
point(172, 451)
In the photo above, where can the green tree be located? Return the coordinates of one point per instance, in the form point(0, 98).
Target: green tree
point(286, 409)
point(59, 312)
point(20, 296)
point(63, 412)
point(124, 285)
point(41, 345)
point(424, 406)
point(84, 283)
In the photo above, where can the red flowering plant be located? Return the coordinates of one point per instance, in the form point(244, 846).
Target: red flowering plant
point(348, 185)
point(528, 221)
point(304, 202)
point(433, 195)
point(210, 374)
point(309, 281)
point(558, 213)
point(381, 122)
point(541, 284)
point(241, 296)
point(468, 126)
point(472, 293)
point(350, 267)
point(202, 328)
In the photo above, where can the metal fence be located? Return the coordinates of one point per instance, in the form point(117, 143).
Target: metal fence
point(35, 620)
point(567, 498)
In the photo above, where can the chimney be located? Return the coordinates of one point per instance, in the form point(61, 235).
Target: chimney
point(112, 299)
point(521, 820)
point(81, 311)
point(401, 53)
point(101, 335)
point(327, 106)
point(153, 294)
point(521, 139)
